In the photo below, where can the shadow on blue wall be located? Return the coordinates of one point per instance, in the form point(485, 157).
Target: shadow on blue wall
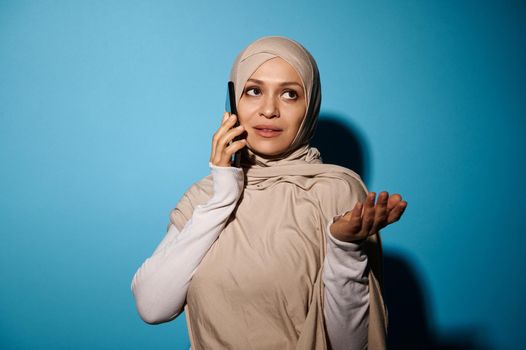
point(409, 318)
point(341, 144)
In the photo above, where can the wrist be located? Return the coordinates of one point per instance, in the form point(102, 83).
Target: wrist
point(337, 235)
point(227, 181)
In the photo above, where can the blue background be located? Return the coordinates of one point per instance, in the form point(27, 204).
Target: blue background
point(107, 109)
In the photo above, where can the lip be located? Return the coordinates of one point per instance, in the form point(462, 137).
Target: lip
point(268, 130)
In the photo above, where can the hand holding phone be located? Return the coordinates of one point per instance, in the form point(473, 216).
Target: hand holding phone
point(229, 139)
point(224, 145)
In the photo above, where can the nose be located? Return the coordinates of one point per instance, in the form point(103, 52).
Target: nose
point(270, 108)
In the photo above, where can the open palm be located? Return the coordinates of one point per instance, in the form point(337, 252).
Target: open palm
point(368, 218)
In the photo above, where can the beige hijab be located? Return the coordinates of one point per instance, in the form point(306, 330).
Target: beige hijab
point(260, 284)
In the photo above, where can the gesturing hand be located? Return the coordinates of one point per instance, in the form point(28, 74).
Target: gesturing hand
point(367, 219)
point(221, 150)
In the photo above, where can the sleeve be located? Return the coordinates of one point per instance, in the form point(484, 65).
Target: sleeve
point(160, 284)
point(345, 267)
point(345, 276)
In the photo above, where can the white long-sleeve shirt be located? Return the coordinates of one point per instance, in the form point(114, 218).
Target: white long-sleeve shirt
point(161, 283)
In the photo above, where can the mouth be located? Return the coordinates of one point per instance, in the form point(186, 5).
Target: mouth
point(268, 130)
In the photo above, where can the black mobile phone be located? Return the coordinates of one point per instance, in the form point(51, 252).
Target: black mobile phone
point(231, 107)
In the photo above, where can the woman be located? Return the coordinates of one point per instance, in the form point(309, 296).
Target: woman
point(284, 252)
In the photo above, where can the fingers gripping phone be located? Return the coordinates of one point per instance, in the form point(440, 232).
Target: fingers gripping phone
point(232, 109)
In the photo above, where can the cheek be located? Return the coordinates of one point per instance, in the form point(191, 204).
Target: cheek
point(243, 111)
point(299, 115)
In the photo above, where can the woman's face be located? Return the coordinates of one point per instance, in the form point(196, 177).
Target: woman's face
point(272, 107)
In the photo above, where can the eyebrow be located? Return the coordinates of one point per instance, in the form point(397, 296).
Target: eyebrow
point(281, 84)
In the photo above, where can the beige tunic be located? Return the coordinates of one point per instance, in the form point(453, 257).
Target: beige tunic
point(259, 286)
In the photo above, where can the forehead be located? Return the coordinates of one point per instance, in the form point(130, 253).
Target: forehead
point(277, 70)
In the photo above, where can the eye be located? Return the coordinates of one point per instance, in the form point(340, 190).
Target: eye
point(253, 91)
point(290, 95)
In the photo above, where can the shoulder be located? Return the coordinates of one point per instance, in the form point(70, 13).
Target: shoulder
point(198, 193)
point(200, 190)
point(335, 179)
point(338, 189)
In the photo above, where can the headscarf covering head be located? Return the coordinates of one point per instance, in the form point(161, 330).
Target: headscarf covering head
point(266, 48)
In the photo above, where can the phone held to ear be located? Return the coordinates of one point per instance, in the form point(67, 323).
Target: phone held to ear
point(231, 107)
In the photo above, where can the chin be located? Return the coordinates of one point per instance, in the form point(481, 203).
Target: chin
point(267, 152)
